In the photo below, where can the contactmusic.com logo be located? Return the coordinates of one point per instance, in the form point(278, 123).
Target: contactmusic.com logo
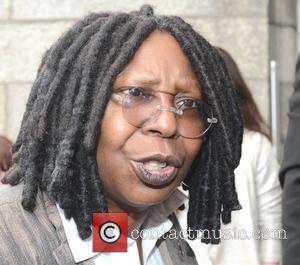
point(110, 232)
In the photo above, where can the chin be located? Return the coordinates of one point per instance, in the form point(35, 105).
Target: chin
point(148, 197)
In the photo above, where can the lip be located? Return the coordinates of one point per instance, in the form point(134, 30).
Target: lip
point(169, 159)
point(160, 177)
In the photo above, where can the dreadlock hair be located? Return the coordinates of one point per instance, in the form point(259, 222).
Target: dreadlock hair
point(251, 115)
point(56, 147)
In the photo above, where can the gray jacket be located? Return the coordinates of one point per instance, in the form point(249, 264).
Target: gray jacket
point(39, 237)
point(290, 179)
point(31, 238)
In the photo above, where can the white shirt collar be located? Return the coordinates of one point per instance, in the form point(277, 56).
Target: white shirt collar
point(157, 220)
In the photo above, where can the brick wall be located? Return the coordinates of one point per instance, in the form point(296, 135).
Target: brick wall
point(28, 27)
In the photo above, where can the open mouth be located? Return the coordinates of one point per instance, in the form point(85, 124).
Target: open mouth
point(156, 172)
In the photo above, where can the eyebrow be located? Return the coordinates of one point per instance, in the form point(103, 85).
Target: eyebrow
point(187, 82)
point(142, 78)
point(148, 79)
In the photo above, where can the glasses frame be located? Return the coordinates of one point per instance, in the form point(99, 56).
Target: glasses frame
point(211, 120)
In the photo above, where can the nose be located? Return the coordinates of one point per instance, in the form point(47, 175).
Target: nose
point(163, 124)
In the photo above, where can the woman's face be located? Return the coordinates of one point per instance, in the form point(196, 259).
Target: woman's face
point(131, 159)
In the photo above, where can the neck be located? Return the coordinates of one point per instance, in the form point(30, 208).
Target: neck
point(134, 214)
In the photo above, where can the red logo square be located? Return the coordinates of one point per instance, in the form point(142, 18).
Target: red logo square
point(110, 232)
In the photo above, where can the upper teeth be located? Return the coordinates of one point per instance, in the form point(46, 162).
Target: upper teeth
point(151, 165)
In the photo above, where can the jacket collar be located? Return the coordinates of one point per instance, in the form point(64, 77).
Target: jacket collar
point(63, 253)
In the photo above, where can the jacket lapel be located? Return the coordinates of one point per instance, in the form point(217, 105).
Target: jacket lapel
point(62, 253)
point(176, 251)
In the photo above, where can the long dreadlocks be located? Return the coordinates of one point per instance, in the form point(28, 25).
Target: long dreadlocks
point(56, 147)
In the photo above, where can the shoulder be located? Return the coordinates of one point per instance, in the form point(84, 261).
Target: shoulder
point(252, 137)
point(32, 232)
point(255, 143)
point(10, 194)
point(12, 213)
point(257, 153)
point(11, 209)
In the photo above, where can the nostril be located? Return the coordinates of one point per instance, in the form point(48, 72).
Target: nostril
point(153, 132)
point(163, 124)
point(162, 135)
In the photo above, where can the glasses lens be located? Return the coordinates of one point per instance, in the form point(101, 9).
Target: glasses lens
point(193, 123)
point(139, 108)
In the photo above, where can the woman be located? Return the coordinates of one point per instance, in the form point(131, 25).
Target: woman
point(115, 122)
point(259, 221)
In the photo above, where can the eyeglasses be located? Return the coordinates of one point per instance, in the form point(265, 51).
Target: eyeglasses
point(143, 105)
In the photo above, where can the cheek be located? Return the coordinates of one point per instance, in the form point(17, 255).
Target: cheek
point(114, 129)
point(192, 147)
point(113, 136)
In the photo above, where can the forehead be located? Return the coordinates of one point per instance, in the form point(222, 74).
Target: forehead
point(159, 59)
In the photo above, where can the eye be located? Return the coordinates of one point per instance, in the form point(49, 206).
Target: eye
point(137, 92)
point(187, 103)
point(134, 91)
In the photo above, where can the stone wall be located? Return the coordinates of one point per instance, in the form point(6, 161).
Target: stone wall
point(283, 49)
point(28, 27)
